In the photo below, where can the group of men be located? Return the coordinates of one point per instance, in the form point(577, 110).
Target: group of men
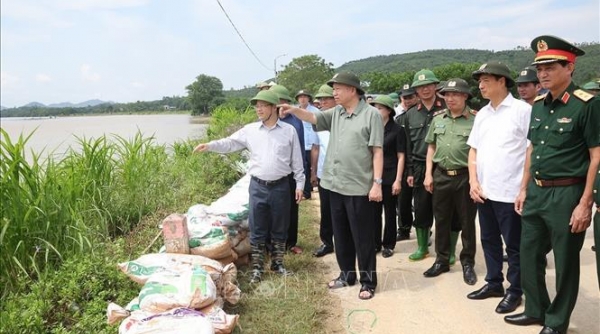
point(529, 168)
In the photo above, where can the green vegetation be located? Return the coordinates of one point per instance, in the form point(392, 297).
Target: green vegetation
point(204, 94)
point(306, 72)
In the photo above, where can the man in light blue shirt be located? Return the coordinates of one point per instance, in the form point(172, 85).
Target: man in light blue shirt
point(304, 99)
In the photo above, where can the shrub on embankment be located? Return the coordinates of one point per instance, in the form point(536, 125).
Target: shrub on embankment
point(65, 223)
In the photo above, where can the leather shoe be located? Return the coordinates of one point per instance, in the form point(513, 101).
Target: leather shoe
point(522, 319)
point(549, 330)
point(386, 252)
point(469, 275)
point(486, 292)
point(323, 250)
point(509, 303)
point(402, 236)
point(436, 270)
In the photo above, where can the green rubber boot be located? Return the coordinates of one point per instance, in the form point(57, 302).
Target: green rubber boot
point(453, 241)
point(422, 249)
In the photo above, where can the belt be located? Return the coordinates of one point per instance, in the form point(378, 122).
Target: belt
point(563, 182)
point(268, 183)
point(453, 172)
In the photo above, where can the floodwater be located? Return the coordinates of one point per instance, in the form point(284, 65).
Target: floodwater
point(55, 135)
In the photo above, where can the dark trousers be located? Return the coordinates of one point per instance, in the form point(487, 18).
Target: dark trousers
point(352, 218)
point(325, 228)
point(597, 241)
point(292, 233)
point(307, 185)
point(423, 199)
point(454, 211)
point(498, 221)
point(546, 215)
point(388, 207)
point(269, 212)
point(405, 215)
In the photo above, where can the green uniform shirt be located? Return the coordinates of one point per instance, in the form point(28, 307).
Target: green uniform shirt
point(596, 190)
point(348, 168)
point(561, 132)
point(449, 135)
point(416, 124)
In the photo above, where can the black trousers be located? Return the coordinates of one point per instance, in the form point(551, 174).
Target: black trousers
point(325, 228)
point(269, 212)
point(454, 211)
point(405, 215)
point(352, 218)
point(388, 207)
point(423, 199)
point(307, 185)
point(292, 233)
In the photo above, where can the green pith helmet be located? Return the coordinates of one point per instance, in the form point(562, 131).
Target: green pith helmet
point(262, 85)
point(394, 96)
point(282, 92)
point(407, 90)
point(385, 100)
point(528, 74)
point(457, 85)
point(440, 86)
point(303, 92)
point(549, 49)
point(496, 68)
point(324, 91)
point(268, 96)
point(592, 85)
point(347, 78)
point(424, 77)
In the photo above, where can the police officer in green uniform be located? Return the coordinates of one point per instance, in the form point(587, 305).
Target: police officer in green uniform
point(447, 178)
point(528, 85)
point(416, 124)
point(556, 200)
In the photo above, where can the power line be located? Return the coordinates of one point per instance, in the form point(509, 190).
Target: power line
point(243, 40)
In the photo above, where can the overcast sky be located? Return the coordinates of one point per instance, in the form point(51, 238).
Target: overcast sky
point(127, 50)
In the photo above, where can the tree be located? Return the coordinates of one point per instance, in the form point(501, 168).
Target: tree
point(204, 94)
point(306, 72)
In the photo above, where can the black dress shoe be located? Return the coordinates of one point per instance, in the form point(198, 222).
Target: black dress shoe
point(522, 319)
point(436, 270)
point(386, 252)
point(323, 250)
point(549, 330)
point(469, 275)
point(486, 292)
point(402, 236)
point(509, 303)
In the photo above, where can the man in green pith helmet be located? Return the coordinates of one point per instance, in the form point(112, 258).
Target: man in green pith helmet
point(416, 124)
point(592, 87)
point(447, 178)
point(556, 196)
point(528, 84)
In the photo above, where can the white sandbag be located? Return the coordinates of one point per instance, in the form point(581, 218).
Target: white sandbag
point(115, 313)
point(210, 241)
point(176, 321)
point(222, 322)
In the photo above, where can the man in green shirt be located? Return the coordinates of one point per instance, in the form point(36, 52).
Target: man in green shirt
point(447, 179)
point(556, 200)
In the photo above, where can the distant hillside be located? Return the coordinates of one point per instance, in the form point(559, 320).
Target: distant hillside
point(34, 105)
point(3, 107)
point(587, 66)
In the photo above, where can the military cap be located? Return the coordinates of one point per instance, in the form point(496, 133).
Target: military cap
point(528, 74)
point(424, 77)
point(268, 96)
point(592, 85)
point(394, 96)
point(262, 85)
point(407, 90)
point(549, 49)
point(324, 91)
point(456, 85)
point(496, 68)
point(282, 92)
point(386, 101)
point(303, 92)
point(440, 86)
point(347, 78)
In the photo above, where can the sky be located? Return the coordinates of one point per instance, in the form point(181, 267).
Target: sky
point(54, 51)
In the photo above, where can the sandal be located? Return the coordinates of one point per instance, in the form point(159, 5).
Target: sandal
point(339, 283)
point(364, 288)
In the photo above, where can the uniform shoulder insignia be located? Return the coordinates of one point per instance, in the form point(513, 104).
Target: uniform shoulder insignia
point(583, 95)
point(540, 97)
point(439, 112)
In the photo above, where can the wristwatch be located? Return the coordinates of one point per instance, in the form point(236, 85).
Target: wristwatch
point(378, 181)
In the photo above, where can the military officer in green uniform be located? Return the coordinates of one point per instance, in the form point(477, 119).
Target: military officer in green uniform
point(592, 87)
point(416, 124)
point(528, 85)
point(596, 192)
point(555, 200)
point(447, 178)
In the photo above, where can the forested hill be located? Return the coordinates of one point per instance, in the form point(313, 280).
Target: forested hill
point(587, 66)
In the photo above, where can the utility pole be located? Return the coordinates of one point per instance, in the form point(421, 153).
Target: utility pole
point(275, 64)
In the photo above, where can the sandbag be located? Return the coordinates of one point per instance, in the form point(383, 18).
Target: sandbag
point(210, 241)
point(222, 322)
point(176, 321)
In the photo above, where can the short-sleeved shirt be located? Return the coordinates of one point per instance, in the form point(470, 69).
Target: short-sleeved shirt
point(323, 142)
point(500, 138)
point(348, 166)
point(562, 131)
point(394, 142)
point(310, 137)
point(449, 135)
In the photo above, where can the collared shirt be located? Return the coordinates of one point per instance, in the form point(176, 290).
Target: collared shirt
point(500, 138)
point(596, 190)
point(299, 126)
point(449, 135)
point(562, 131)
point(416, 124)
point(348, 166)
point(310, 136)
point(274, 152)
point(394, 142)
point(323, 142)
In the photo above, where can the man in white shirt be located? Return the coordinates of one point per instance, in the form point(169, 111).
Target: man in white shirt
point(498, 144)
